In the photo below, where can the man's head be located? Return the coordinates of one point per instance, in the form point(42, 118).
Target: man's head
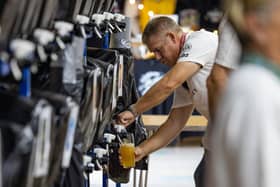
point(257, 23)
point(162, 36)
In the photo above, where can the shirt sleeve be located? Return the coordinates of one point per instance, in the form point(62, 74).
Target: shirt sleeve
point(181, 98)
point(199, 47)
point(229, 50)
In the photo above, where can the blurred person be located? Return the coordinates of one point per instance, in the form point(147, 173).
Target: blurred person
point(227, 60)
point(191, 57)
point(246, 134)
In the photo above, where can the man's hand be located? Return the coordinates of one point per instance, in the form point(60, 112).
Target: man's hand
point(139, 153)
point(125, 118)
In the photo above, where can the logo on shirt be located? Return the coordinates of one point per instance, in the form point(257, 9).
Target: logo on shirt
point(186, 50)
point(184, 54)
point(187, 47)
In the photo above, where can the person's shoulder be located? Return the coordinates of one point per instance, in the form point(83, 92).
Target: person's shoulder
point(202, 39)
point(199, 47)
point(252, 73)
point(203, 34)
point(252, 80)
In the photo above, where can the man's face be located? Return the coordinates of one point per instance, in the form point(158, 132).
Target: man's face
point(165, 48)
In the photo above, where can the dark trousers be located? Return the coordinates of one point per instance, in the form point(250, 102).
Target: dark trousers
point(199, 174)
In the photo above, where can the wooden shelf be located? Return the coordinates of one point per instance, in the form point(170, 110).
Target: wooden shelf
point(195, 123)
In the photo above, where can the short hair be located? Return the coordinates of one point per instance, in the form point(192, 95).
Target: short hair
point(159, 25)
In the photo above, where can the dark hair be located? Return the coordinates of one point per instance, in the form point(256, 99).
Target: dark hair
point(159, 25)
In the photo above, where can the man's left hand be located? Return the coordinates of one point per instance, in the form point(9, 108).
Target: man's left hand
point(125, 118)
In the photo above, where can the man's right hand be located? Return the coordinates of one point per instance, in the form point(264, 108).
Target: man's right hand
point(139, 153)
point(125, 118)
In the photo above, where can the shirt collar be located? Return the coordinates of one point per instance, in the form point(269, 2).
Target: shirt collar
point(182, 40)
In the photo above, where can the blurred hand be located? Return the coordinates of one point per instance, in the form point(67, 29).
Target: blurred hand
point(125, 118)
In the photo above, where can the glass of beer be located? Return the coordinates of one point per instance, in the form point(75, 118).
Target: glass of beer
point(127, 152)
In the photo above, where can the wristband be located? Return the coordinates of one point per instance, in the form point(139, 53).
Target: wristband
point(131, 108)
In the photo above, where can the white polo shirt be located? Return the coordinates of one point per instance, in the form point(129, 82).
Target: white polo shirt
point(200, 47)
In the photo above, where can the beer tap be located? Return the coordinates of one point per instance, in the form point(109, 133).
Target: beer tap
point(108, 19)
point(88, 168)
point(108, 140)
point(100, 157)
point(63, 30)
point(82, 21)
point(121, 132)
point(43, 37)
point(101, 162)
point(118, 22)
point(97, 21)
point(23, 56)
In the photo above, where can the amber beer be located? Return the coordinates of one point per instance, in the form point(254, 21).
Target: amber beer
point(127, 155)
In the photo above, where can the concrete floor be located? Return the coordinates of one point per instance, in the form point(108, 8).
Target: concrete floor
point(169, 167)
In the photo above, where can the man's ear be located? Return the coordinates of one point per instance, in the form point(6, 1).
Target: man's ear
point(172, 36)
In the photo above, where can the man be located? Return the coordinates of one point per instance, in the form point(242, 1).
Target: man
point(191, 57)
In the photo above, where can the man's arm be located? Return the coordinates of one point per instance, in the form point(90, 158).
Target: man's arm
point(215, 84)
point(167, 131)
point(161, 90)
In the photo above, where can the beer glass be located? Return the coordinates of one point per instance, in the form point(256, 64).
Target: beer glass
point(126, 151)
